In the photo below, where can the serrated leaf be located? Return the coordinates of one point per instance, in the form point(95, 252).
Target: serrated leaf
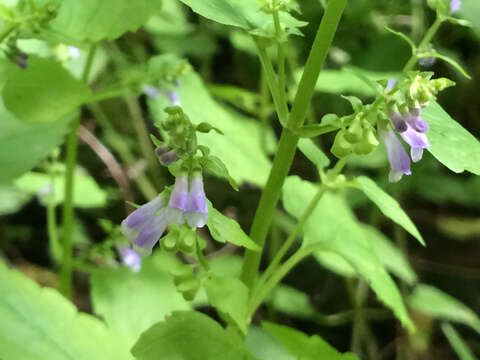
point(216, 166)
point(132, 302)
point(388, 206)
point(230, 296)
point(224, 229)
point(313, 153)
point(187, 336)
point(451, 144)
point(240, 148)
point(436, 303)
point(333, 228)
point(304, 347)
point(44, 92)
point(41, 324)
point(454, 338)
point(93, 20)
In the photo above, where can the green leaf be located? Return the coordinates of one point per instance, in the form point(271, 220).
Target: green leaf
point(187, 336)
point(388, 206)
point(93, 20)
point(87, 193)
point(454, 338)
point(245, 14)
point(449, 60)
point(292, 302)
point(470, 10)
point(41, 324)
point(216, 166)
point(230, 296)
point(12, 199)
point(451, 144)
point(303, 346)
point(240, 148)
point(44, 92)
point(224, 229)
point(313, 153)
point(264, 346)
point(132, 302)
point(404, 37)
point(333, 228)
point(436, 303)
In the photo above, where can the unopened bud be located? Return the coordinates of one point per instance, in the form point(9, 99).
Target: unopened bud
point(168, 158)
point(341, 147)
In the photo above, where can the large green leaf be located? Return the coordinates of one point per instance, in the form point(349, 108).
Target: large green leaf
point(470, 10)
point(44, 92)
point(132, 302)
point(451, 144)
point(333, 228)
point(188, 336)
point(305, 347)
point(93, 20)
point(224, 229)
point(388, 205)
point(87, 193)
point(40, 323)
point(264, 346)
point(23, 145)
point(241, 13)
point(230, 296)
point(240, 148)
point(436, 303)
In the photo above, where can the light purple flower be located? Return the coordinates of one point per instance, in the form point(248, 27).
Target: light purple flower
point(455, 5)
point(391, 83)
point(177, 205)
point(146, 225)
point(398, 121)
point(174, 98)
point(74, 52)
point(151, 91)
point(197, 209)
point(417, 123)
point(130, 258)
point(417, 141)
point(399, 160)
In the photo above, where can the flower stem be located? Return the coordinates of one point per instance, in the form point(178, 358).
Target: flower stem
point(280, 59)
point(423, 44)
point(71, 161)
point(288, 140)
point(53, 242)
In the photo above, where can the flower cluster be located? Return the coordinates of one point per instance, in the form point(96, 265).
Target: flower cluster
point(187, 203)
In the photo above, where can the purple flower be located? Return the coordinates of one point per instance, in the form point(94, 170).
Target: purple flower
point(130, 258)
point(416, 121)
point(146, 225)
point(197, 210)
point(399, 160)
point(427, 62)
point(455, 5)
point(398, 121)
point(417, 141)
point(177, 205)
point(151, 91)
point(391, 83)
point(174, 98)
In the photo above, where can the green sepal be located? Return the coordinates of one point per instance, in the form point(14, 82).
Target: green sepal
point(368, 144)
point(189, 288)
point(354, 132)
point(156, 141)
point(341, 147)
point(216, 166)
point(357, 104)
point(205, 127)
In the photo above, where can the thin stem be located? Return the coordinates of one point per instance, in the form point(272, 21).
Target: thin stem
point(423, 44)
point(71, 161)
point(7, 30)
point(293, 236)
point(281, 59)
point(288, 140)
point(53, 241)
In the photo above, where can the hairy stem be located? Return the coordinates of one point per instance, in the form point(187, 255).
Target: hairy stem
point(288, 140)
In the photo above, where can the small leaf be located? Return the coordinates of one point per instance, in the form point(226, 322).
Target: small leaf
point(404, 37)
point(314, 130)
point(388, 206)
point(356, 103)
point(451, 144)
point(230, 296)
point(304, 347)
point(448, 60)
point(224, 229)
point(156, 141)
point(461, 22)
point(436, 303)
point(454, 338)
point(190, 336)
point(313, 153)
point(44, 92)
point(217, 167)
point(292, 302)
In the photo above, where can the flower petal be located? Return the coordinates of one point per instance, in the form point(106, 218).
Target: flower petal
point(144, 213)
point(398, 158)
point(179, 197)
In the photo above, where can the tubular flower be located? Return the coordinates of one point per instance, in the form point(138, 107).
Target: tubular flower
point(146, 225)
point(197, 209)
point(177, 205)
point(417, 141)
point(455, 5)
point(174, 98)
point(131, 259)
point(398, 158)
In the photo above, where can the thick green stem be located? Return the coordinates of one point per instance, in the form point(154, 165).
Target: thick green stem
point(71, 162)
point(288, 140)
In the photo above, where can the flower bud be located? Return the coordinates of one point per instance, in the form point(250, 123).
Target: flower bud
point(341, 147)
point(354, 132)
point(168, 158)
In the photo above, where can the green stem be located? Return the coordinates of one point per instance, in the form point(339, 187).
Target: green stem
point(423, 44)
point(281, 60)
point(288, 140)
point(292, 237)
point(71, 161)
point(7, 30)
point(54, 244)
